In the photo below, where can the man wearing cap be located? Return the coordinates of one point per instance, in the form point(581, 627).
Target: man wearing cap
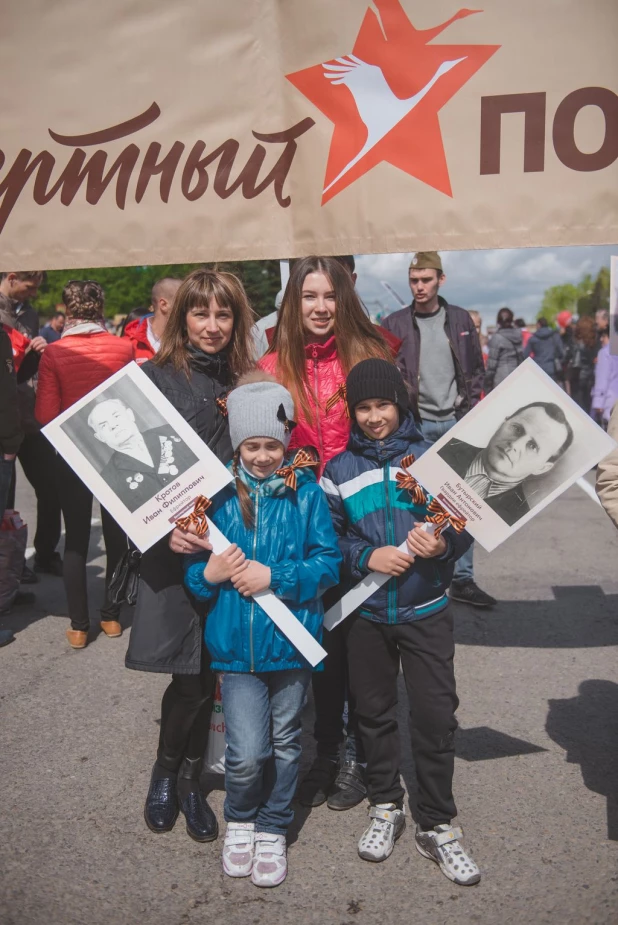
point(442, 362)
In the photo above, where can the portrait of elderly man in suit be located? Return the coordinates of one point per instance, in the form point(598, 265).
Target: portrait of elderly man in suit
point(526, 445)
point(141, 463)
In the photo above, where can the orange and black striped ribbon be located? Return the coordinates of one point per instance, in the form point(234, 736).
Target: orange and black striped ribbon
point(221, 404)
point(340, 395)
point(197, 517)
point(437, 515)
point(408, 483)
point(302, 459)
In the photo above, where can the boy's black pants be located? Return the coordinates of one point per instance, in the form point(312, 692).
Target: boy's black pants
point(426, 648)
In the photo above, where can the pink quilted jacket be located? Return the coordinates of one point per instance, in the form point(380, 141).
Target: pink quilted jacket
point(74, 365)
point(329, 431)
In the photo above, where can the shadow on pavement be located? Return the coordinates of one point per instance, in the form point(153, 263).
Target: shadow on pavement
point(580, 616)
point(485, 744)
point(586, 727)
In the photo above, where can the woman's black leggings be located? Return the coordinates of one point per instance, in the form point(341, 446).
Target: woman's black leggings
point(185, 716)
point(76, 503)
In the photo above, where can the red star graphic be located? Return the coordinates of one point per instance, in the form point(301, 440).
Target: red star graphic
point(385, 97)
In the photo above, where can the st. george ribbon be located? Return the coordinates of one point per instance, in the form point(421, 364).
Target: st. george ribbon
point(282, 617)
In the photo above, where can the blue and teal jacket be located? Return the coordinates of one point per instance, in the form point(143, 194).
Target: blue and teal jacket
point(370, 510)
point(294, 537)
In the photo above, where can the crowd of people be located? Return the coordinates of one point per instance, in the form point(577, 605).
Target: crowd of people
point(317, 416)
point(576, 355)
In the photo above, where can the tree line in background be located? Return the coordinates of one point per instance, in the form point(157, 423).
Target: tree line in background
point(127, 288)
point(584, 298)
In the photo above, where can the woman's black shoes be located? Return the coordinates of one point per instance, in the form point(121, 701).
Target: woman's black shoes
point(161, 809)
point(201, 821)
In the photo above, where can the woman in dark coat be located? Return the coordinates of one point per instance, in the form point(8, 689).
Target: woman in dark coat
point(505, 350)
point(205, 347)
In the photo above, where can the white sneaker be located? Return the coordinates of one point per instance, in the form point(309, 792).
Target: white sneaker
point(238, 849)
point(270, 862)
point(442, 845)
point(378, 841)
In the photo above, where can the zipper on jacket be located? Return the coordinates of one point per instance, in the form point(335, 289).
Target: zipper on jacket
point(255, 536)
point(457, 363)
point(317, 403)
point(390, 541)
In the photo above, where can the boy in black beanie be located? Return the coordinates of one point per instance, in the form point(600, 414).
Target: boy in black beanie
point(376, 506)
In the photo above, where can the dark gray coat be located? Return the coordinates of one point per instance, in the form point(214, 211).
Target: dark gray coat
point(168, 624)
point(505, 355)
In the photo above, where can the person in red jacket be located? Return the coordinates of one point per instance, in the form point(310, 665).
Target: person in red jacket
point(321, 333)
point(145, 333)
point(84, 357)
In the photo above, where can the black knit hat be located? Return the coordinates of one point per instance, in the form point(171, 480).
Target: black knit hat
point(376, 379)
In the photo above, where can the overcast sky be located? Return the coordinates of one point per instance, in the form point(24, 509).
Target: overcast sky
point(485, 280)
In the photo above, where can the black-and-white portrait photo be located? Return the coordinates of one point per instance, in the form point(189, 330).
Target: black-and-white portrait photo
point(513, 454)
point(510, 473)
point(136, 452)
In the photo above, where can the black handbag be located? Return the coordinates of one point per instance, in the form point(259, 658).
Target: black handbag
point(125, 580)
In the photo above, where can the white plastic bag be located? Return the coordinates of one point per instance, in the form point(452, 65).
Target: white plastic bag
point(215, 749)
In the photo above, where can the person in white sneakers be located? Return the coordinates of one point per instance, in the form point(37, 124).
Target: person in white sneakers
point(376, 506)
point(275, 512)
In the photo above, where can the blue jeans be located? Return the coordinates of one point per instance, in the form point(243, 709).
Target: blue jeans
point(464, 567)
point(262, 733)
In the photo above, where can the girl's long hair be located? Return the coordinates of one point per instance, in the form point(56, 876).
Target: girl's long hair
point(585, 331)
point(247, 508)
point(196, 291)
point(357, 338)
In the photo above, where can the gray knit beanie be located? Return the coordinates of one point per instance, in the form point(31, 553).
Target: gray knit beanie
point(260, 409)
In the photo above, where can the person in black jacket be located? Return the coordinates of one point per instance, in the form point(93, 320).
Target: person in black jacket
point(10, 432)
point(36, 454)
point(441, 360)
point(205, 347)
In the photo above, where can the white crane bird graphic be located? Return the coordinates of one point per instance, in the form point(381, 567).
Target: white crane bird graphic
point(378, 107)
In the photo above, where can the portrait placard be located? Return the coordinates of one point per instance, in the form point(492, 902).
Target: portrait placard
point(613, 307)
point(137, 455)
point(514, 453)
point(146, 466)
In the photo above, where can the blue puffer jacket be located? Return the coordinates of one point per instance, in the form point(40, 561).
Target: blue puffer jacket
point(294, 536)
point(370, 510)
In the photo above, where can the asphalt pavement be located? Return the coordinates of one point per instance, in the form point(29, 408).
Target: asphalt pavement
point(536, 777)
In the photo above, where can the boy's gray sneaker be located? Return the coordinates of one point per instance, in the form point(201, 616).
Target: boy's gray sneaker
point(443, 846)
point(387, 824)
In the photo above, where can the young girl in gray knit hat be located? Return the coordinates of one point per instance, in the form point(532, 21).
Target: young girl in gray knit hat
point(282, 537)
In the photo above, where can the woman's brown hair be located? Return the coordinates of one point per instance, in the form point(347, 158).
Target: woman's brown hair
point(357, 338)
point(505, 318)
point(84, 299)
point(585, 331)
point(196, 291)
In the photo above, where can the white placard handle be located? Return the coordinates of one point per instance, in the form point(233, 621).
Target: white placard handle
point(282, 616)
point(364, 589)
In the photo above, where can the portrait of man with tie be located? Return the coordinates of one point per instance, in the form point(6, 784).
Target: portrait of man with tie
point(524, 448)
